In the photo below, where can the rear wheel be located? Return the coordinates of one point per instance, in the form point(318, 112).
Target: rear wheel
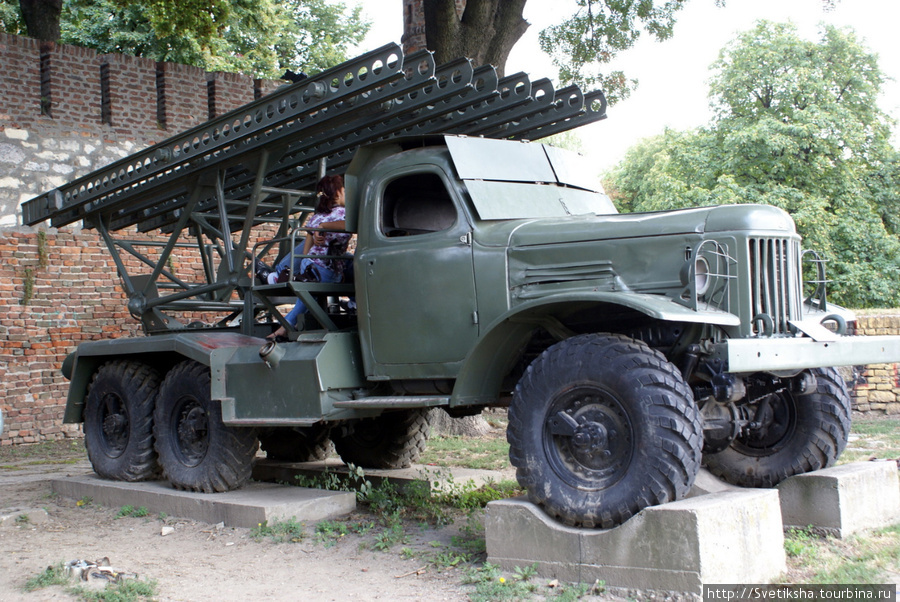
point(306, 444)
point(391, 440)
point(196, 450)
point(600, 427)
point(118, 421)
point(797, 434)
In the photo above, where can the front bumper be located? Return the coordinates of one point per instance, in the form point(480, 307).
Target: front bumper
point(789, 354)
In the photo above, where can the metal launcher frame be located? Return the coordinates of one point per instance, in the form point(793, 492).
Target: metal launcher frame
point(208, 187)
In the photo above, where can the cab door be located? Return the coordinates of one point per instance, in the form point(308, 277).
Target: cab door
point(420, 301)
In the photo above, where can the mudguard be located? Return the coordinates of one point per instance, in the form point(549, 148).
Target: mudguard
point(482, 373)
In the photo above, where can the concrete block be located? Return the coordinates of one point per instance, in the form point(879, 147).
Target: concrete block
point(727, 537)
point(441, 478)
point(245, 507)
point(23, 517)
point(706, 482)
point(842, 499)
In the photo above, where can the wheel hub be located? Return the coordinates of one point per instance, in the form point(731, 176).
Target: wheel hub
point(115, 432)
point(590, 438)
point(114, 426)
point(193, 432)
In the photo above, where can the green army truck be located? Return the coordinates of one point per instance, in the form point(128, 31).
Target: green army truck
point(488, 271)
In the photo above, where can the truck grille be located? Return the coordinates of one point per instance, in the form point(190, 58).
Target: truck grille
point(774, 284)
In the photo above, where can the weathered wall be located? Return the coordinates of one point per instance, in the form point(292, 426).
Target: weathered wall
point(876, 388)
point(59, 288)
point(64, 112)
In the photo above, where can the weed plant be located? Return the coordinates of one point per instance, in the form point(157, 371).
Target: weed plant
point(129, 590)
point(131, 511)
point(52, 575)
point(286, 531)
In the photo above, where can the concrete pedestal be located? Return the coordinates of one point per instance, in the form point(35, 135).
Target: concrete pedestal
point(842, 499)
point(728, 537)
point(245, 507)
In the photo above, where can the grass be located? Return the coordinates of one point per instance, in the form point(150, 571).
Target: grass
point(484, 454)
point(281, 531)
point(129, 590)
point(865, 558)
point(491, 584)
point(872, 438)
point(52, 575)
point(64, 451)
point(129, 510)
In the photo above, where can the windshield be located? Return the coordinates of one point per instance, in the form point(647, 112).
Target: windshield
point(514, 200)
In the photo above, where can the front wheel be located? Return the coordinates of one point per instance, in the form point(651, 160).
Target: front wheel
point(600, 427)
point(196, 450)
point(797, 434)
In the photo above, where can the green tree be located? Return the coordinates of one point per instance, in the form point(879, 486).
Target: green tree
point(258, 37)
point(796, 126)
point(580, 46)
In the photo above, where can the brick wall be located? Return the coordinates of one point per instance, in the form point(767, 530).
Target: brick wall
point(60, 288)
point(876, 388)
point(64, 112)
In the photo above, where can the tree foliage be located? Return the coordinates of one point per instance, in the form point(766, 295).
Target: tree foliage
point(581, 45)
point(257, 37)
point(797, 126)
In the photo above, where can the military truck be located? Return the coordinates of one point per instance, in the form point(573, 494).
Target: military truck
point(488, 271)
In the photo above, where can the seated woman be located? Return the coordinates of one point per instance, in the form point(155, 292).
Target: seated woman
point(329, 215)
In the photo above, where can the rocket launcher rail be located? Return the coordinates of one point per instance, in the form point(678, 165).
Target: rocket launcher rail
point(277, 141)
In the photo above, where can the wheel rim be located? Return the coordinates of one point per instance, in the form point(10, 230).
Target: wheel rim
point(191, 428)
point(588, 438)
point(778, 428)
point(114, 425)
point(369, 433)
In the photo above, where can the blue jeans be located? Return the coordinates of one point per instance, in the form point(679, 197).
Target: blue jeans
point(325, 275)
point(286, 260)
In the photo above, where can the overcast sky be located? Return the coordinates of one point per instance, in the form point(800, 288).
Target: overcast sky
point(673, 74)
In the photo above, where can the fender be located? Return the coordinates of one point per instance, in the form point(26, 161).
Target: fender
point(161, 351)
point(480, 378)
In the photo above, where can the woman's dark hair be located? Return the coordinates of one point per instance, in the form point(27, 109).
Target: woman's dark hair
point(326, 192)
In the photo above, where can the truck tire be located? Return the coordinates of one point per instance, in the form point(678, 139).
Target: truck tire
point(197, 451)
point(600, 427)
point(391, 440)
point(118, 421)
point(307, 444)
point(807, 432)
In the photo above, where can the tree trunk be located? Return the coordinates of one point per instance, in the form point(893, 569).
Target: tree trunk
point(42, 18)
point(486, 32)
point(467, 426)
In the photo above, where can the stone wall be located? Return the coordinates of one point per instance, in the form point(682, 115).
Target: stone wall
point(876, 388)
point(64, 112)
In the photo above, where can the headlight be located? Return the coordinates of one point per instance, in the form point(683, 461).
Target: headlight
point(702, 278)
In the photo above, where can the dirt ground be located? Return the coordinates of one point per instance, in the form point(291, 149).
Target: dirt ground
point(199, 561)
